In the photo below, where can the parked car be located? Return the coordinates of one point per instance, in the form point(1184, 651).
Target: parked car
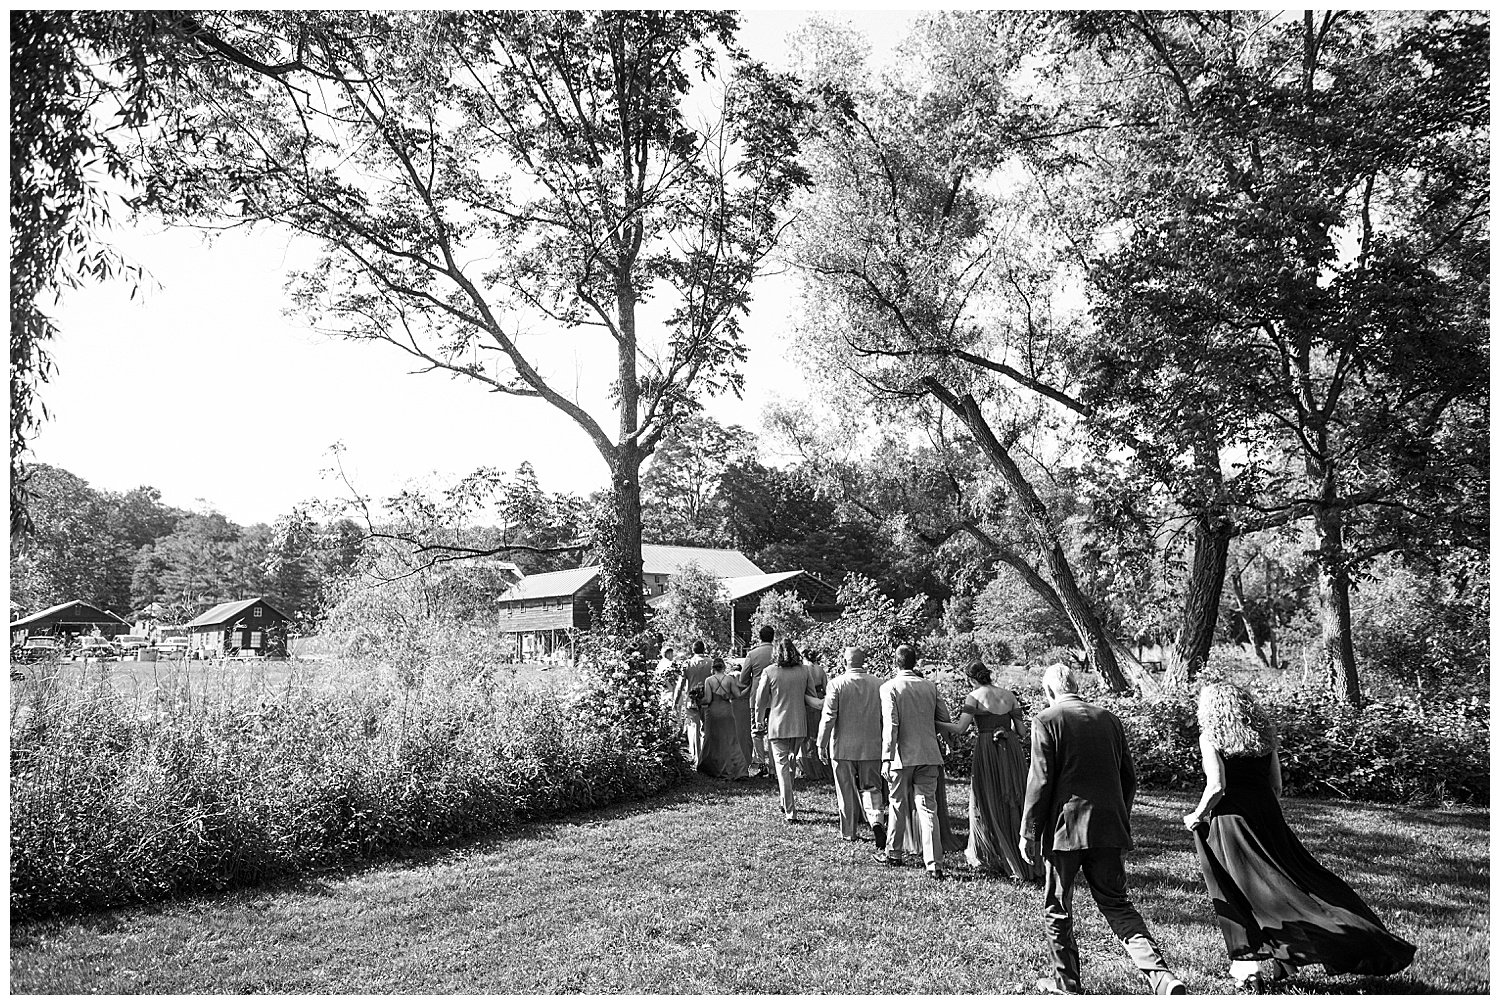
point(36, 649)
point(90, 647)
point(128, 644)
point(173, 645)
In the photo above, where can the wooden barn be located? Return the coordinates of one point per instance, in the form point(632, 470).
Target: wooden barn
point(541, 611)
point(239, 628)
point(69, 621)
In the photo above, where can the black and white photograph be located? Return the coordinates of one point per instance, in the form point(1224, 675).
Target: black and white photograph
point(749, 502)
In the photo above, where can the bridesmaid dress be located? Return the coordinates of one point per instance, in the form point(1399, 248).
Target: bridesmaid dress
point(997, 793)
point(1273, 900)
point(810, 765)
point(722, 755)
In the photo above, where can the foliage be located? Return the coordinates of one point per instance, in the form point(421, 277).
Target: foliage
point(786, 613)
point(871, 620)
point(1422, 630)
point(695, 606)
point(1404, 748)
point(1006, 608)
point(681, 497)
point(514, 169)
point(68, 108)
point(118, 798)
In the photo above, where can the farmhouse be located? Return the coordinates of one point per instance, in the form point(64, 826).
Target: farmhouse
point(239, 628)
point(68, 621)
point(540, 611)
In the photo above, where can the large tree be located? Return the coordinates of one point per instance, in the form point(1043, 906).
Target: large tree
point(501, 194)
point(930, 272)
point(1304, 257)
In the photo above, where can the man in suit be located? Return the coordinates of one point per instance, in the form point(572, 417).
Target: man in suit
point(911, 760)
point(785, 691)
point(751, 667)
point(849, 734)
point(1077, 810)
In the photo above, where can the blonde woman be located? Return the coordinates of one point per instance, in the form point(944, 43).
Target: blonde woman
point(1277, 907)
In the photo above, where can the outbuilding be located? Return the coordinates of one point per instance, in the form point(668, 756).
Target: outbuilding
point(239, 628)
point(68, 621)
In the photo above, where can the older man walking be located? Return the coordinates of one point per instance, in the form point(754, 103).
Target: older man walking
point(849, 734)
point(1078, 799)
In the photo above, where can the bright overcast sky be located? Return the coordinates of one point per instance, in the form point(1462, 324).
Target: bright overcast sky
point(205, 389)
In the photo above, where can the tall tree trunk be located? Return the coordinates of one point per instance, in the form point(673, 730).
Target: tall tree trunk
point(620, 564)
point(1105, 656)
point(1212, 531)
point(1333, 602)
point(622, 577)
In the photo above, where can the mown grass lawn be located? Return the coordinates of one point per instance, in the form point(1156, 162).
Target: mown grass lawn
point(705, 890)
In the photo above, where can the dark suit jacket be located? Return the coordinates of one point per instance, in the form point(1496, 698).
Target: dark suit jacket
point(1082, 782)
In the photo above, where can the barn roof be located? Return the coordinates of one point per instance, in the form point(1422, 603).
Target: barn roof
point(747, 586)
point(667, 559)
point(228, 611)
point(551, 584)
point(86, 613)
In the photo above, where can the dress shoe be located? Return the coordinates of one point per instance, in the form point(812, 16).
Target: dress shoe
point(791, 818)
point(1049, 986)
point(937, 874)
point(1251, 985)
point(1172, 986)
point(890, 860)
point(879, 830)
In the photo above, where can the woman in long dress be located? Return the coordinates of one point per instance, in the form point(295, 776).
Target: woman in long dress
point(997, 786)
point(810, 765)
point(722, 755)
point(694, 672)
point(1277, 907)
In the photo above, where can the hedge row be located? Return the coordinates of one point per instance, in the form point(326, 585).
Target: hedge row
point(116, 799)
point(1401, 748)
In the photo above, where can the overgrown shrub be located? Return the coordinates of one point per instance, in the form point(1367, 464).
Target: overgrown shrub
point(119, 798)
point(1404, 747)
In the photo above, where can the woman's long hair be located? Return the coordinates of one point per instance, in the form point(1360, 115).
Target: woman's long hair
point(1234, 722)
point(787, 654)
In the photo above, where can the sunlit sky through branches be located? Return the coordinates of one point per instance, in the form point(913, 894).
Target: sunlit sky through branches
point(202, 386)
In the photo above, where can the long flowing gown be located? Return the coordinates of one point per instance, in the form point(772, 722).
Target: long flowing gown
point(722, 755)
point(1272, 898)
point(810, 765)
point(997, 791)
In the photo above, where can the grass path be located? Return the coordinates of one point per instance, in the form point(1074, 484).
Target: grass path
point(706, 890)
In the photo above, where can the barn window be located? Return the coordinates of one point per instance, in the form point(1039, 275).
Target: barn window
point(255, 613)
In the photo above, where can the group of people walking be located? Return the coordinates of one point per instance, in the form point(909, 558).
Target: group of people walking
point(1066, 814)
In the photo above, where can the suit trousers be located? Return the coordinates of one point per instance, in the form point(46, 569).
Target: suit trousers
point(856, 786)
point(915, 791)
point(1104, 868)
point(784, 752)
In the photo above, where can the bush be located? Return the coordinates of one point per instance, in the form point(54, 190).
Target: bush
point(1403, 747)
point(121, 798)
point(1397, 750)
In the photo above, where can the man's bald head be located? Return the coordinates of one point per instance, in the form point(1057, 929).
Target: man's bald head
point(854, 657)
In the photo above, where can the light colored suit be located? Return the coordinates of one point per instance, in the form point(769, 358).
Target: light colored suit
point(850, 732)
point(782, 701)
point(751, 667)
point(910, 709)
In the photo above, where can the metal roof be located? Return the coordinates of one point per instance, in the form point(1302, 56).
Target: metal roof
point(551, 584)
point(57, 608)
point(743, 586)
point(667, 559)
point(227, 612)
